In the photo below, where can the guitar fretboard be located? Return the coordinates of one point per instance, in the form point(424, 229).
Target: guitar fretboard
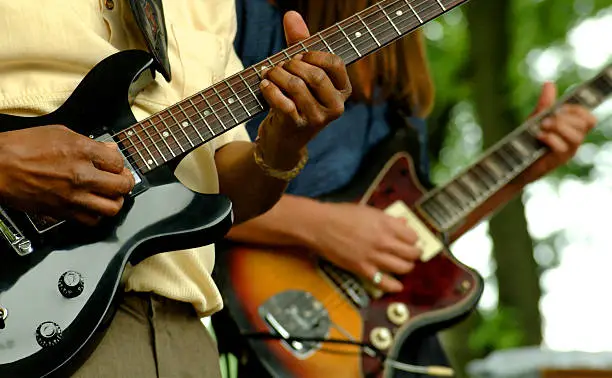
point(446, 206)
point(207, 114)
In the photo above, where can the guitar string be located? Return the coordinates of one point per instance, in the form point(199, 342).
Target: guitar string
point(354, 280)
point(222, 113)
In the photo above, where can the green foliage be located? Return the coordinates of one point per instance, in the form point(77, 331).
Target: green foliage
point(498, 329)
point(539, 32)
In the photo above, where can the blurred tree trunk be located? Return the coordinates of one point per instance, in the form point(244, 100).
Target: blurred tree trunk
point(490, 25)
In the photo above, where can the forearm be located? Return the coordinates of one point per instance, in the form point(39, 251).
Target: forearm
point(240, 178)
point(290, 222)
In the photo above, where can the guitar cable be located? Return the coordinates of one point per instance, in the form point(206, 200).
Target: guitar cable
point(433, 370)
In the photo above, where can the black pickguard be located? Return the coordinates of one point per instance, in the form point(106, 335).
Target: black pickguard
point(162, 215)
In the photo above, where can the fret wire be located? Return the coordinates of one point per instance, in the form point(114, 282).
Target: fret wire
point(433, 209)
point(197, 111)
point(511, 146)
point(368, 29)
point(161, 154)
point(272, 65)
point(213, 111)
point(286, 54)
point(441, 6)
point(163, 138)
point(214, 88)
point(389, 18)
point(191, 123)
point(136, 147)
point(176, 140)
point(330, 46)
point(178, 124)
point(237, 97)
point(413, 11)
point(501, 158)
point(462, 181)
point(325, 43)
point(347, 37)
point(146, 148)
point(251, 90)
point(448, 200)
point(303, 46)
point(126, 138)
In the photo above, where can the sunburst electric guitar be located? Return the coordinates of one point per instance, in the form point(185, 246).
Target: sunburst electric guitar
point(305, 317)
point(58, 280)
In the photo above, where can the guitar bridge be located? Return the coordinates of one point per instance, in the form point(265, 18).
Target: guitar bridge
point(13, 235)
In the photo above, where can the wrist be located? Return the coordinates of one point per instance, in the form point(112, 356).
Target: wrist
point(277, 155)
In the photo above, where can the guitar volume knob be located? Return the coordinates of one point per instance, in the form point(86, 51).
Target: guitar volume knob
point(398, 313)
point(381, 338)
point(71, 284)
point(48, 334)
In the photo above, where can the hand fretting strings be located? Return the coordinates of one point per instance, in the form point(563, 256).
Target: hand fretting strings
point(227, 115)
point(382, 22)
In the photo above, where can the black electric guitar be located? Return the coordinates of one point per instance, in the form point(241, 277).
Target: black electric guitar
point(58, 279)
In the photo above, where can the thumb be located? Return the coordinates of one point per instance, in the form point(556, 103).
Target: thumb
point(295, 28)
point(547, 97)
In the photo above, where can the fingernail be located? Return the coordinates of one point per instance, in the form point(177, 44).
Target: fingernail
point(547, 123)
point(264, 83)
point(298, 57)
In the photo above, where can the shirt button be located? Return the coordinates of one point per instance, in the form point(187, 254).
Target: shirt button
point(110, 4)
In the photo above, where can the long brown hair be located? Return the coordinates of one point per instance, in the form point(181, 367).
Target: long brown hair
point(400, 70)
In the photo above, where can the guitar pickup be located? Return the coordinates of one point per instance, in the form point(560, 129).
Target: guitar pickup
point(428, 242)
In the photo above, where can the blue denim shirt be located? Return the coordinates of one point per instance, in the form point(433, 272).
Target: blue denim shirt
point(336, 153)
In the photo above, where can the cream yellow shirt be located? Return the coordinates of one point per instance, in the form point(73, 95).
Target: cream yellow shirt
point(47, 47)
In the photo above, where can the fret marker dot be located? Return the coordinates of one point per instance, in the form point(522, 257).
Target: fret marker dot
point(130, 133)
point(358, 34)
point(206, 113)
point(399, 13)
point(165, 134)
point(231, 101)
point(150, 162)
point(185, 124)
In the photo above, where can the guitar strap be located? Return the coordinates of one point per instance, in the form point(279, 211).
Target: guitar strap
point(149, 16)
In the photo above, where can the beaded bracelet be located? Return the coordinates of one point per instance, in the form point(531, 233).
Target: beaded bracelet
point(276, 173)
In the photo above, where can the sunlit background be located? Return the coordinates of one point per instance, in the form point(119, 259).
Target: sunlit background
point(574, 211)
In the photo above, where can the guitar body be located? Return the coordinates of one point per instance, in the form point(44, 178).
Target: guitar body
point(292, 285)
point(58, 298)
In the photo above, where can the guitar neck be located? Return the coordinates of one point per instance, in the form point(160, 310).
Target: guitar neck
point(171, 133)
point(447, 206)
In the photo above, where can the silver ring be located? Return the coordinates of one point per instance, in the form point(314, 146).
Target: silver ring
point(377, 279)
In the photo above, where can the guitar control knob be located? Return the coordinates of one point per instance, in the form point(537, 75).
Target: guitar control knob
point(3, 316)
point(48, 334)
point(71, 284)
point(398, 313)
point(381, 338)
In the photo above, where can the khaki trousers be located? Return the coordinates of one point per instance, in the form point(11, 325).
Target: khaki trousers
point(153, 337)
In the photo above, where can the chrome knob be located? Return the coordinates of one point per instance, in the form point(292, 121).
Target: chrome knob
point(71, 284)
point(381, 338)
point(3, 316)
point(398, 313)
point(48, 334)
